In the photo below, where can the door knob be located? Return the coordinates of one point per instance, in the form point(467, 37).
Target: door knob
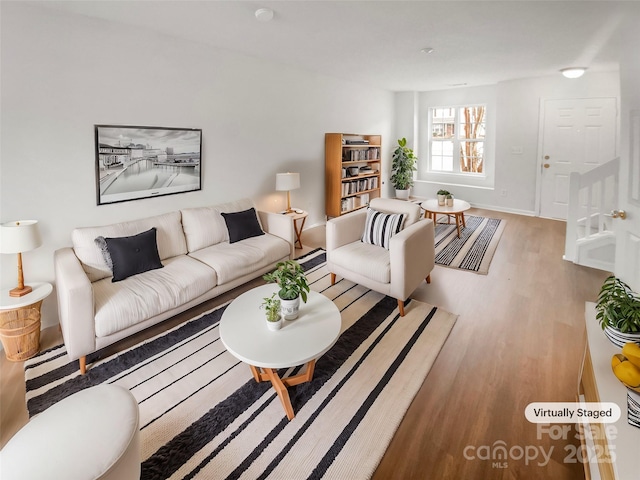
point(546, 157)
point(546, 165)
point(621, 214)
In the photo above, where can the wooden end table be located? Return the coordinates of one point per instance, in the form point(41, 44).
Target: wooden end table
point(298, 227)
point(244, 333)
point(432, 209)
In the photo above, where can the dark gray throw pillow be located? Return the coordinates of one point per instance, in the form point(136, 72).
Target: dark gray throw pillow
point(133, 255)
point(242, 225)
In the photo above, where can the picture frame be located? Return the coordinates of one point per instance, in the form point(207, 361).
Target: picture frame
point(136, 162)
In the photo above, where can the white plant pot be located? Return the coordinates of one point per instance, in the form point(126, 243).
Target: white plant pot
point(277, 325)
point(289, 308)
point(402, 194)
point(441, 199)
point(618, 338)
point(449, 202)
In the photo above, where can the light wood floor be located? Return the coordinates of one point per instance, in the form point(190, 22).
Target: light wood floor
point(519, 338)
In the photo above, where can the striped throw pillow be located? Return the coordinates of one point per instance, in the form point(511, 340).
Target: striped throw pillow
point(380, 227)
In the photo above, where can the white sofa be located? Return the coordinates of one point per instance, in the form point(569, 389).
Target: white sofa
point(198, 263)
point(395, 271)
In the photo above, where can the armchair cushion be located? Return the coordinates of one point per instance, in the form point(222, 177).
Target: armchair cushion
point(365, 259)
point(380, 227)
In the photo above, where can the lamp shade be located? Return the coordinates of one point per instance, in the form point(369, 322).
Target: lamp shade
point(287, 181)
point(20, 236)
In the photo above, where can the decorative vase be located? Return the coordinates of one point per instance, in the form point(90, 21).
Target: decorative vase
point(449, 202)
point(274, 325)
point(289, 308)
point(441, 199)
point(402, 194)
point(618, 338)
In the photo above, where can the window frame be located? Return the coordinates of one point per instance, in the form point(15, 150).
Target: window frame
point(456, 139)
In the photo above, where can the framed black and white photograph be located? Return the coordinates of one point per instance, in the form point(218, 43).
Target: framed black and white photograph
point(142, 162)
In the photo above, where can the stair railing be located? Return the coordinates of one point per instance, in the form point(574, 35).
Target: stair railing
point(592, 196)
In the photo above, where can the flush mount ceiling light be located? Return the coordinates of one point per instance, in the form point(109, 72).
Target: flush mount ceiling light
point(573, 72)
point(427, 50)
point(264, 14)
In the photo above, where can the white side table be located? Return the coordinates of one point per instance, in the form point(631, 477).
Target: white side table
point(33, 299)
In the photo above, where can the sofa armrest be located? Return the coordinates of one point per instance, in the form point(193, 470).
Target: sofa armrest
point(412, 257)
point(280, 226)
point(345, 229)
point(75, 304)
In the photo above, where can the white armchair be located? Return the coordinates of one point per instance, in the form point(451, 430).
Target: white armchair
point(396, 271)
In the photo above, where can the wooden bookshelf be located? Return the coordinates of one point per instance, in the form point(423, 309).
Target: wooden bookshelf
point(344, 190)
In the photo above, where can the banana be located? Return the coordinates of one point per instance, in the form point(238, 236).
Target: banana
point(632, 352)
point(626, 372)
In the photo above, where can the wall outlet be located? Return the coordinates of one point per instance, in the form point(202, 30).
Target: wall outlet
point(516, 150)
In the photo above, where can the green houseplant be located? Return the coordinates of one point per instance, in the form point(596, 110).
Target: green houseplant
point(292, 281)
point(271, 306)
point(402, 168)
point(442, 196)
point(618, 311)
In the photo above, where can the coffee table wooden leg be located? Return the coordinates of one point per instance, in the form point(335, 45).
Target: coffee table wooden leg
point(256, 374)
point(458, 223)
point(281, 390)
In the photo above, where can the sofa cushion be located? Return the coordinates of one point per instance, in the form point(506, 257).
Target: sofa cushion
point(232, 261)
point(133, 255)
point(365, 259)
point(169, 235)
point(123, 304)
point(242, 225)
point(204, 226)
point(380, 227)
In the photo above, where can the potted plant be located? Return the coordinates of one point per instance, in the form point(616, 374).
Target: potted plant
point(449, 200)
point(618, 311)
point(402, 168)
point(271, 306)
point(442, 196)
point(292, 281)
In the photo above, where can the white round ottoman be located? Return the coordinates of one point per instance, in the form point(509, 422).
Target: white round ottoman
point(91, 434)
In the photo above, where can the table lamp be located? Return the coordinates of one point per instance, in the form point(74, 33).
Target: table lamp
point(287, 182)
point(18, 237)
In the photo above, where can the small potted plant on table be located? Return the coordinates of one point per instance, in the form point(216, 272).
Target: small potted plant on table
point(292, 281)
point(442, 196)
point(271, 306)
point(618, 311)
point(449, 200)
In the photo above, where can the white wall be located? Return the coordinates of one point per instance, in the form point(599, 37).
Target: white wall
point(62, 74)
point(513, 109)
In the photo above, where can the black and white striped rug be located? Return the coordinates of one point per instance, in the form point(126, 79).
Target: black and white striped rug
point(474, 250)
point(203, 416)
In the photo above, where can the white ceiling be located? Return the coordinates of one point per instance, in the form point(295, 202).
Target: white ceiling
point(379, 42)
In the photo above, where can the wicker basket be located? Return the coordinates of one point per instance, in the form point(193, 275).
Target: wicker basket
point(20, 333)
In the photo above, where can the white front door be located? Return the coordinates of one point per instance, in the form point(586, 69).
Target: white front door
point(577, 135)
point(627, 266)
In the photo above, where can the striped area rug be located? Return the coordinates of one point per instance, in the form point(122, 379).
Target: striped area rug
point(474, 250)
point(203, 415)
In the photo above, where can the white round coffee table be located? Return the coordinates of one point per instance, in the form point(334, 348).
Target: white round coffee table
point(432, 209)
point(244, 333)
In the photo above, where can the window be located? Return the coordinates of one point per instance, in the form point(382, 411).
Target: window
point(456, 139)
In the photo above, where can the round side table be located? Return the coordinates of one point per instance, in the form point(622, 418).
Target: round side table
point(33, 299)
